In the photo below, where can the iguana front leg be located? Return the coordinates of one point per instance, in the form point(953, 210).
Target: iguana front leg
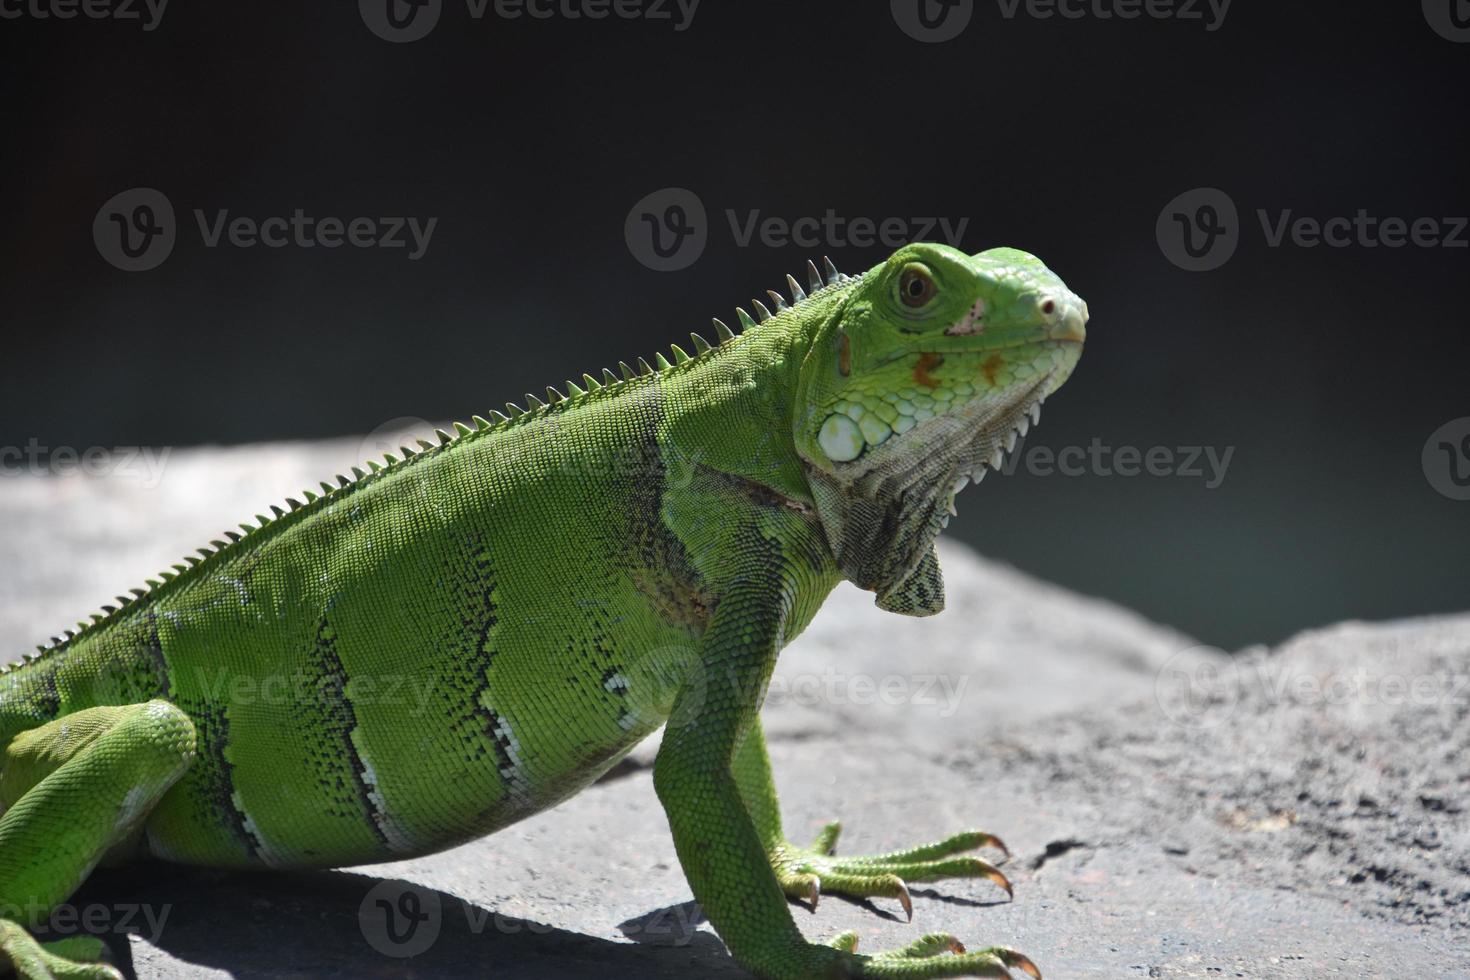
point(807, 872)
point(719, 845)
point(72, 790)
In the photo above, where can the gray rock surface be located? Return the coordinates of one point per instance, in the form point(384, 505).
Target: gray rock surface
point(1173, 812)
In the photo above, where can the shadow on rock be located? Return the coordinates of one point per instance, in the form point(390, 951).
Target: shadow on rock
point(340, 924)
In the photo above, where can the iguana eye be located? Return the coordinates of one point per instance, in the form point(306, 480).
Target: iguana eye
point(915, 288)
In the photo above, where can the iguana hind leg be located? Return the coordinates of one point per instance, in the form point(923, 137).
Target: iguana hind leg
point(72, 790)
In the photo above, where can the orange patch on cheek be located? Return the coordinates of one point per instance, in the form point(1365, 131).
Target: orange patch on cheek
point(990, 367)
point(927, 362)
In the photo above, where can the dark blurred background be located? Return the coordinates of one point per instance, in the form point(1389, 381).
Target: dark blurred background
point(1324, 369)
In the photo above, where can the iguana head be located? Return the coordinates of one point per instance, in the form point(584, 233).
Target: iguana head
point(932, 365)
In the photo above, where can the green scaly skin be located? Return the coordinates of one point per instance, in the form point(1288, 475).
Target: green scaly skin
point(468, 634)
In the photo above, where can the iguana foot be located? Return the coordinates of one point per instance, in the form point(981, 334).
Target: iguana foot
point(805, 873)
point(921, 959)
point(29, 959)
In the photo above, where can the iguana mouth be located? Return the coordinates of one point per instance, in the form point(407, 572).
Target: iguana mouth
point(972, 439)
point(968, 461)
point(905, 495)
point(1030, 414)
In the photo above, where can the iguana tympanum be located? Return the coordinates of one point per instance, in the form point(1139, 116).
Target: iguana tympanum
point(553, 584)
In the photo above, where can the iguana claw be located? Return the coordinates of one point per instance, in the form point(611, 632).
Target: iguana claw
point(905, 900)
point(925, 958)
point(1018, 960)
point(805, 873)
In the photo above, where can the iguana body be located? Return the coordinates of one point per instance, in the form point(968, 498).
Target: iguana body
point(472, 633)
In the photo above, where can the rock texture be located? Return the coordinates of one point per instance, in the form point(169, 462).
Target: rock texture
point(1173, 811)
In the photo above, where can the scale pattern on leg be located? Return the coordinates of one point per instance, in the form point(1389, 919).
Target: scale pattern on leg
point(74, 789)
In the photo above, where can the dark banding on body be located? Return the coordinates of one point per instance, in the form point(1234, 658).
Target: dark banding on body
point(657, 561)
point(327, 722)
point(212, 775)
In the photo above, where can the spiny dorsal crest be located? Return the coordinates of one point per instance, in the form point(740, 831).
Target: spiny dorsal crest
point(817, 281)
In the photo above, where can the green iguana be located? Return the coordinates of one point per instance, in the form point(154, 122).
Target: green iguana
point(556, 582)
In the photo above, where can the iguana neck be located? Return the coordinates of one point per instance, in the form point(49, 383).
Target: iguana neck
point(749, 394)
